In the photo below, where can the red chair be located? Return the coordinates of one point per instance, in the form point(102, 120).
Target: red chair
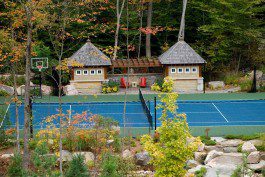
point(123, 83)
point(142, 82)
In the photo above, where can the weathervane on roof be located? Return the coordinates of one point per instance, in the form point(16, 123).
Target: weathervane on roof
point(182, 23)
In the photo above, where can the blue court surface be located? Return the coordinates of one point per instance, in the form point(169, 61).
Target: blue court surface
point(199, 113)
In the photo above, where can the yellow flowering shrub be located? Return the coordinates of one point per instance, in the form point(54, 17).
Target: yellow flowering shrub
point(167, 84)
point(50, 137)
point(171, 148)
point(155, 87)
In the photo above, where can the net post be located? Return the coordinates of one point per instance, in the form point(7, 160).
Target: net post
point(155, 111)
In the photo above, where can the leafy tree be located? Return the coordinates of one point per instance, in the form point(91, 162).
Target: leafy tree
point(173, 144)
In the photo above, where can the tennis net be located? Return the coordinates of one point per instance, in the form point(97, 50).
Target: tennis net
point(146, 109)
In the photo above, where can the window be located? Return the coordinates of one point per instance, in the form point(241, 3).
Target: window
point(187, 70)
point(173, 70)
point(99, 71)
point(85, 72)
point(180, 70)
point(78, 72)
point(92, 72)
point(194, 70)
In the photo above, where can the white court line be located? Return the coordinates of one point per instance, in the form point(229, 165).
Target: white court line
point(4, 116)
point(219, 112)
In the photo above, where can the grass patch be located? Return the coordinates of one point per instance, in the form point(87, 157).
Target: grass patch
point(244, 137)
point(239, 148)
point(207, 141)
point(201, 172)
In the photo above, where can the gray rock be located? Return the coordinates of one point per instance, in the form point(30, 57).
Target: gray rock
point(224, 165)
point(231, 143)
point(70, 90)
point(46, 90)
point(230, 149)
point(211, 155)
point(66, 156)
point(192, 163)
point(201, 147)
point(248, 147)
point(200, 156)
point(210, 148)
point(253, 157)
point(127, 154)
point(7, 156)
point(256, 142)
point(89, 156)
point(8, 89)
point(218, 139)
point(21, 90)
point(197, 168)
point(262, 155)
point(216, 84)
point(109, 142)
point(257, 167)
point(142, 158)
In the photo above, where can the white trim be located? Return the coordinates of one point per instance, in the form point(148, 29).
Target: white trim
point(4, 116)
point(173, 69)
point(77, 73)
point(84, 72)
point(220, 112)
point(181, 70)
point(186, 70)
point(195, 69)
point(91, 72)
point(101, 70)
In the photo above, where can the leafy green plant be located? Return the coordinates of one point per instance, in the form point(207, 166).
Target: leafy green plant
point(207, 141)
point(77, 167)
point(175, 145)
point(232, 79)
point(239, 148)
point(4, 93)
point(246, 85)
point(15, 167)
point(201, 172)
point(111, 86)
point(243, 137)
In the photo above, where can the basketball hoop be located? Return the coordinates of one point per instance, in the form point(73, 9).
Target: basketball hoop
point(39, 67)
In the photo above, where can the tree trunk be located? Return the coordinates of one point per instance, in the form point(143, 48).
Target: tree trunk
point(148, 36)
point(119, 13)
point(26, 156)
point(140, 34)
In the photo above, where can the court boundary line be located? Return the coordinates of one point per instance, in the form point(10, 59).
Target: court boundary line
point(220, 112)
point(5, 115)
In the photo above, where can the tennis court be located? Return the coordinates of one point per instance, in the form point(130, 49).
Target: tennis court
point(199, 113)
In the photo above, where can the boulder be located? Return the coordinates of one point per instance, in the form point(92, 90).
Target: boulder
point(142, 158)
point(211, 155)
point(70, 90)
point(210, 148)
point(230, 149)
point(21, 90)
point(262, 155)
point(201, 147)
point(216, 84)
point(224, 165)
point(257, 167)
point(218, 139)
point(200, 156)
point(256, 142)
point(248, 147)
point(46, 90)
point(192, 163)
point(258, 74)
point(231, 143)
point(66, 156)
point(89, 156)
point(8, 89)
point(253, 157)
point(127, 154)
point(7, 156)
point(110, 142)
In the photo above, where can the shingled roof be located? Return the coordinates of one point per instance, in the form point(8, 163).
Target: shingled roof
point(89, 55)
point(180, 53)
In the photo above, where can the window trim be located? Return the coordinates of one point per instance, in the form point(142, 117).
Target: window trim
point(181, 70)
point(174, 71)
point(186, 70)
point(79, 73)
point(101, 71)
point(91, 72)
point(195, 69)
point(84, 72)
